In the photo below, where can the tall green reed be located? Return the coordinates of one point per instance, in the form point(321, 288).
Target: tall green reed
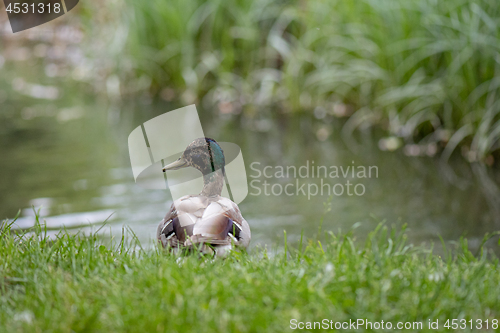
point(425, 71)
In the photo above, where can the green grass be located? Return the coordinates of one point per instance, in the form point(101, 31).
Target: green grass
point(78, 284)
point(424, 71)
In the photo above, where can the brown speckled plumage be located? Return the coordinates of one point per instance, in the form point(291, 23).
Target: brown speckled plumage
point(208, 221)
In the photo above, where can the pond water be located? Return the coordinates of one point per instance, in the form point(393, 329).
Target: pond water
point(70, 160)
point(64, 151)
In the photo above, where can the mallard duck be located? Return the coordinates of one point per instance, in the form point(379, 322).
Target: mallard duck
point(207, 221)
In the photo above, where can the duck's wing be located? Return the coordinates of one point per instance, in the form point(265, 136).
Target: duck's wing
point(198, 219)
point(178, 224)
point(222, 223)
point(166, 232)
point(243, 234)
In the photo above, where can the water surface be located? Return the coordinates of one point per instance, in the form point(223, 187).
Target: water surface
point(63, 148)
point(76, 170)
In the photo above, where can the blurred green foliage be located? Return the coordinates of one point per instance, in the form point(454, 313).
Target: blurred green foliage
point(420, 69)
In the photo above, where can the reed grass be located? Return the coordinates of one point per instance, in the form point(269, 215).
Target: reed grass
point(424, 71)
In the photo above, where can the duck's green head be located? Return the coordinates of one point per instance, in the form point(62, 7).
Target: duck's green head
point(204, 154)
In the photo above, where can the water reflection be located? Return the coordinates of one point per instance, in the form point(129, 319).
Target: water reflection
point(63, 148)
point(80, 172)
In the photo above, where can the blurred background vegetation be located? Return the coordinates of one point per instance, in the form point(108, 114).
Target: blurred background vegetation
point(289, 81)
point(425, 72)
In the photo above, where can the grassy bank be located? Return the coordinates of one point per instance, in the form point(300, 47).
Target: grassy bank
point(424, 71)
point(76, 283)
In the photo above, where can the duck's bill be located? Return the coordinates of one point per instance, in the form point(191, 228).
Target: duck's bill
point(179, 164)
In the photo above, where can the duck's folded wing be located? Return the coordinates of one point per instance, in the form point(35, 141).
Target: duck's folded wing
point(240, 225)
point(235, 226)
point(214, 224)
point(191, 220)
point(166, 232)
point(178, 224)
